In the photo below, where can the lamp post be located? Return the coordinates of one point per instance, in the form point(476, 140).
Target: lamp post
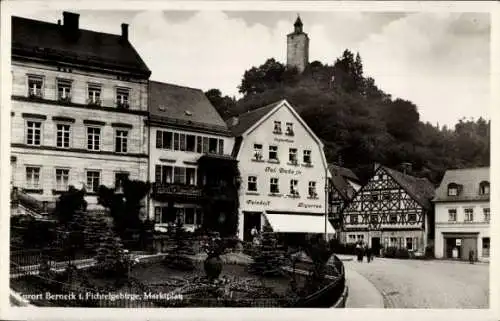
point(326, 201)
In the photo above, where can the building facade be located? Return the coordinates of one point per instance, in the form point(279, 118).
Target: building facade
point(297, 51)
point(78, 108)
point(185, 129)
point(462, 221)
point(343, 186)
point(392, 210)
point(283, 172)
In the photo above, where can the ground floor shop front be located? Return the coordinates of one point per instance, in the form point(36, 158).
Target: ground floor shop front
point(283, 222)
point(461, 242)
point(412, 240)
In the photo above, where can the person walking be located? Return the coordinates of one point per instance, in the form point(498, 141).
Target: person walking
point(471, 257)
point(368, 252)
point(359, 252)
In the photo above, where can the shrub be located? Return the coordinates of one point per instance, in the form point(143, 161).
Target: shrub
point(429, 252)
point(177, 257)
point(269, 258)
point(402, 254)
point(111, 259)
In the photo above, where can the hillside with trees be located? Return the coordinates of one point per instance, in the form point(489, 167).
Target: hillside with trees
point(359, 123)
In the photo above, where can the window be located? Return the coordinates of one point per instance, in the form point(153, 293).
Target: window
point(182, 142)
point(205, 145)
point(393, 218)
point(354, 219)
point(221, 146)
point(180, 175)
point(386, 196)
point(93, 138)
point(484, 188)
point(64, 90)
point(177, 141)
point(360, 237)
point(190, 176)
point(33, 177)
point(293, 187)
point(252, 183)
point(163, 139)
point(93, 181)
point(157, 214)
point(412, 218)
point(274, 186)
point(120, 178)
point(212, 145)
point(393, 241)
point(94, 97)
point(62, 178)
point(352, 238)
point(35, 85)
point(486, 213)
point(199, 216)
point(199, 144)
point(163, 174)
point(33, 133)
point(469, 215)
point(374, 198)
point(307, 157)
point(292, 155)
point(121, 141)
point(312, 190)
point(189, 215)
point(62, 135)
point(277, 127)
point(452, 215)
point(122, 96)
point(257, 151)
point(486, 246)
point(409, 243)
point(273, 153)
point(289, 129)
point(374, 219)
point(452, 189)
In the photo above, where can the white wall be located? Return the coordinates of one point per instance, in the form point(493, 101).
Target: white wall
point(264, 170)
point(443, 225)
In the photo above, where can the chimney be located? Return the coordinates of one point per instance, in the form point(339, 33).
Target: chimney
point(407, 168)
point(234, 121)
point(70, 21)
point(58, 22)
point(124, 31)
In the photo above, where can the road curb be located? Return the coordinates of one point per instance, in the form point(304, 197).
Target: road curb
point(362, 292)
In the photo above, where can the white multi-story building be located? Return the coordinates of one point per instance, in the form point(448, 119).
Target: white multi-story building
point(283, 171)
point(79, 101)
point(184, 128)
point(462, 219)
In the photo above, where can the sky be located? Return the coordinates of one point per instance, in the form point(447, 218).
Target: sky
point(438, 60)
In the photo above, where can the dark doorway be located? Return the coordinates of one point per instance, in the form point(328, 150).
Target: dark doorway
point(450, 244)
point(376, 245)
point(251, 220)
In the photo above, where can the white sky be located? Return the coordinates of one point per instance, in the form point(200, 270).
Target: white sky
point(439, 60)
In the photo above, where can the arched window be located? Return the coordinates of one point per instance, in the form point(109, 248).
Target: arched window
point(484, 188)
point(452, 189)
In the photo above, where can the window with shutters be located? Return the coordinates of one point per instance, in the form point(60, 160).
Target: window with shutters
point(177, 141)
point(221, 147)
point(199, 144)
point(205, 145)
point(182, 138)
point(163, 174)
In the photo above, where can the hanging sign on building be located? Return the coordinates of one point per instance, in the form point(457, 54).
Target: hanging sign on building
point(458, 242)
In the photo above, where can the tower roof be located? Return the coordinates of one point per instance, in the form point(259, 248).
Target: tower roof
point(298, 22)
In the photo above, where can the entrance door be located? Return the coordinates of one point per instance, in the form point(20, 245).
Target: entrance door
point(450, 245)
point(251, 220)
point(376, 245)
point(469, 244)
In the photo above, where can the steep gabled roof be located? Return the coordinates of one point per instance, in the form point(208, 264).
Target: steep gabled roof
point(248, 119)
point(33, 38)
point(468, 179)
point(343, 187)
point(183, 106)
point(343, 171)
point(420, 189)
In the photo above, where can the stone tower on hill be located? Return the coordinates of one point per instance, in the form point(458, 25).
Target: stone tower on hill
point(297, 53)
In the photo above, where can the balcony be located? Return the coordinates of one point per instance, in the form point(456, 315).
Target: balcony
point(220, 193)
point(176, 191)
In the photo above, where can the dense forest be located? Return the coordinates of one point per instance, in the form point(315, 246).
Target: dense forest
point(360, 124)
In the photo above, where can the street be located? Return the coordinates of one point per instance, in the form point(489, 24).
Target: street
point(422, 284)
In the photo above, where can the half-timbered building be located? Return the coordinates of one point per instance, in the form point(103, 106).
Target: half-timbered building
point(392, 210)
point(343, 186)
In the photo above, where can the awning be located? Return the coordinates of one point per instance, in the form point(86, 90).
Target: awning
point(293, 223)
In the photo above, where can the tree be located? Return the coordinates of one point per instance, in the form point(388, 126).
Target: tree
point(178, 255)
point(223, 104)
point(267, 76)
point(348, 72)
point(111, 258)
point(69, 203)
point(124, 208)
point(270, 257)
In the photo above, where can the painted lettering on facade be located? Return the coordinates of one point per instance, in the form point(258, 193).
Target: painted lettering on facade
point(304, 205)
point(281, 170)
point(259, 203)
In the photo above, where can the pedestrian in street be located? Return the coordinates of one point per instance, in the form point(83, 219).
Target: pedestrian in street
point(359, 252)
point(471, 257)
point(368, 252)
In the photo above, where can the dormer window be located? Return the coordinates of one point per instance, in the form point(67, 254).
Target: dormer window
point(289, 129)
point(277, 127)
point(484, 188)
point(452, 189)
